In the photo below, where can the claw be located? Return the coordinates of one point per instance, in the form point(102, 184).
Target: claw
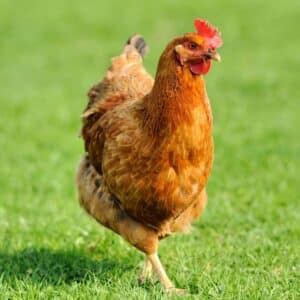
point(176, 291)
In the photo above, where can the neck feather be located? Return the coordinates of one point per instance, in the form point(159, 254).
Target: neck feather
point(175, 95)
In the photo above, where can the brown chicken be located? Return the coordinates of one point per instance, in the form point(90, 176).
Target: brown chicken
point(149, 145)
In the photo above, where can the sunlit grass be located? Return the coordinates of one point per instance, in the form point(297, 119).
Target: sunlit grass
point(247, 244)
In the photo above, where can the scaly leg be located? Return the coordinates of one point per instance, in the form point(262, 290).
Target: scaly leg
point(146, 272)
point(162, 275)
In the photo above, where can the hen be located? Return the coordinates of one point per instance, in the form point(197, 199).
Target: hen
point(149, 145)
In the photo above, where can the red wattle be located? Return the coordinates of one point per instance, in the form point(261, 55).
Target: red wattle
point(200, 68)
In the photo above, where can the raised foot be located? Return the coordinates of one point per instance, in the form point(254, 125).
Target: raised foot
point(142, 280)
point(146, 274)
point(176, 291)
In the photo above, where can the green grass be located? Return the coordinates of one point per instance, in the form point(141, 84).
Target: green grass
point(247, 244)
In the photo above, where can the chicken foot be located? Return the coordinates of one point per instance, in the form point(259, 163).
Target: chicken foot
point(146, 272)
point(162, 275)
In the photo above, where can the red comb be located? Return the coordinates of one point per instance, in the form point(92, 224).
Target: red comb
point(211, 34)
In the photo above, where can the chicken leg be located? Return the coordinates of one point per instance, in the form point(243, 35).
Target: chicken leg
point(162, 275)
point(146, 272)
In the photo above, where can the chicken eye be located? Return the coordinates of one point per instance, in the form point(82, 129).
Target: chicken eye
point(192, 45)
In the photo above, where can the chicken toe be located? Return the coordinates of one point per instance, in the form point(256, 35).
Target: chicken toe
point(146, 273)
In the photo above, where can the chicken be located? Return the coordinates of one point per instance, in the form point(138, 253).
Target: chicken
point(149, 145)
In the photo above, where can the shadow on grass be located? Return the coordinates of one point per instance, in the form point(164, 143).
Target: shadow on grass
point(49, 267)
point(44, 267)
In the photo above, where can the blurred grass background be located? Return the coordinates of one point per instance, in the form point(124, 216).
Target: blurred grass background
point(247, 244)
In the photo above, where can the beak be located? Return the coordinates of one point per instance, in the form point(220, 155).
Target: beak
point(213, 55)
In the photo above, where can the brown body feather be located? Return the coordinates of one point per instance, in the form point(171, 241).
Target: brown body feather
point(151, 143)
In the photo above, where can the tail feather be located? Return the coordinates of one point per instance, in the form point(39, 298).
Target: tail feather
point(138, 42)
point(128, 64)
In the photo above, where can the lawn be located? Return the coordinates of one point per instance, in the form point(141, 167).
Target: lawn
point(246, 245)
